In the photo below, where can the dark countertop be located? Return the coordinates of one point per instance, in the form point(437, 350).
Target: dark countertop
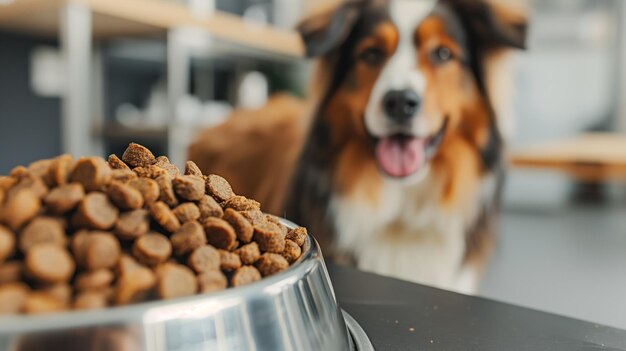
point(398, 315)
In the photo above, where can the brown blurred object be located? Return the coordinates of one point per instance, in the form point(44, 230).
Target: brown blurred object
point(278, 129)
point(88, 339)
point(593, 157)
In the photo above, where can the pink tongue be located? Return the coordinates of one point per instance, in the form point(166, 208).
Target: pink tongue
point(400, 157)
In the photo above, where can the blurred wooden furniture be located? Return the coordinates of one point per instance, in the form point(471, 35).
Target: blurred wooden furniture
point(594, 157)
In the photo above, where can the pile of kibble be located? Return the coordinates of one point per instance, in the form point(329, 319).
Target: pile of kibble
point(87, 233)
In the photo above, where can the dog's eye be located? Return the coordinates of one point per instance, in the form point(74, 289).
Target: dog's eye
point(441, 54)
point(372, 56)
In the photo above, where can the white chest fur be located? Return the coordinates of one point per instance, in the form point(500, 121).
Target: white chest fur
point(406, 235)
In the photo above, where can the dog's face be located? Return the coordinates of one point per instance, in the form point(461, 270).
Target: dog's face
point(406, 75)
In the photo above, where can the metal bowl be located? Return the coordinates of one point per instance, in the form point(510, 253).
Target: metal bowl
point(293, 310)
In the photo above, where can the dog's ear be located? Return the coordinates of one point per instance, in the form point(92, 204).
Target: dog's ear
point(326, 30)
point(493, 24)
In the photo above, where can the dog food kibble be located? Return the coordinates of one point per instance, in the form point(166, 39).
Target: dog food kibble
point(42, 230)
point(64, 198)
point(96, 212)
point(90, 300)
point(116, 163)
point(292, 251)
point(94, 280)
point(243, 227)
point(166, 190)
point(175, 280)
point(187, 212)
point(229, 261)
point(245, 275)
point(124, 196)
point(218, 187)
point(209, 208)
point(133, 224)
point(7, 243)
point(189, 187)
point(241, 203)
point(298, 235)
point(269, 237)
point(249, 253)
point(93, 173)
point(212, 281)
point(271, 263)
point(138, 156)
point(191, 168)
point(94, 233)
point(187, 238)
point(20, 206)
point(203, 259)
point(147, 187)
point(220, 234)
point(49, 263)
point(164, 216)
point(12, 297)
point(152, 249)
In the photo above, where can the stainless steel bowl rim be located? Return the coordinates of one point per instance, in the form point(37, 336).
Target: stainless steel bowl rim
point(112, 315)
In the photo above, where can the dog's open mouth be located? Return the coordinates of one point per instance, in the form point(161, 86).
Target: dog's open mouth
point(401, 155)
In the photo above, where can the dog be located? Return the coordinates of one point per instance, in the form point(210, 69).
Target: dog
point(402, 166)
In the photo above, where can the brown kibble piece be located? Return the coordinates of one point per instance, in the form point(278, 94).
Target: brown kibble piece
point(209, 208)
point(219, 233)
point(60, 170)
point(133, 224)
point(94, 280)
point(12, 297)
point(292, 251)
point(187, 212)
point(92, 172)
point(175, 280)
point(39, 168)
point(166, 190)
point(249, 253)
point(62, 292)
point(269, 237)
point(7, 182)
point(64, 198)
point(10, 272)
point(78, 245)
point(102, 251)
point(123, 175)
point(90, 300)
point(138, 156)
point(271, 263)
point(164, 216)
point(191, 168)
point(152, 171)
point(49, 263)
point(18, 172)
point(203, 259)
point(152, 249)
point(218, 187)
point(241, 203)
point(212, 281)
point(42, 230)
point(95, 212)
point(116, 163)
point(245, 275)
point(298, 235)
point(189, 187)
point(243, 227)
point(7, 243)
point(134, 284)
point(147, 187)
point(254, 216)
point(188, 237)
point(164, 162)
point(40, 302)
point(124, 196)
point(34, 184)
point(276, 220)
point(20, 206)
point(229, 261)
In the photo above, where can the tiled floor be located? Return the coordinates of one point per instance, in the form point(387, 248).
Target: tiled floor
point(570, 262)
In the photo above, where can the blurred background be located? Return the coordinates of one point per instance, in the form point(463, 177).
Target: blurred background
point(88, 78)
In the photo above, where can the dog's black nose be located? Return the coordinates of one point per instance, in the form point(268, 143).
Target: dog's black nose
point(401, 105)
